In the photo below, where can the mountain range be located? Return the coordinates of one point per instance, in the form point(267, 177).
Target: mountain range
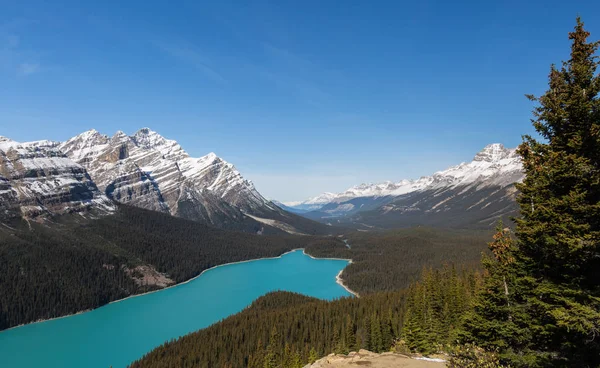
point(85, 173)
point(113, 216)
point(475, 193)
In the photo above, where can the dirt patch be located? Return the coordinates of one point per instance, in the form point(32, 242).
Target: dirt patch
point(148, 276)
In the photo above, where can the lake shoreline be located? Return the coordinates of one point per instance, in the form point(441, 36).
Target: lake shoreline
point(338, 277)
point(338, 281)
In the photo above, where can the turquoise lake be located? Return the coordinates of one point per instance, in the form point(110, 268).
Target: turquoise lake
point(121, 332)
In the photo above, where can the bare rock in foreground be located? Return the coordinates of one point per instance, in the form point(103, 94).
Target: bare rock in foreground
point(368, 359)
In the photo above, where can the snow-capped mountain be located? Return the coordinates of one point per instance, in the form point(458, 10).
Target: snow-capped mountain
point(492, 171)
point(313, 203)
point(149, 171)
point(37, 179)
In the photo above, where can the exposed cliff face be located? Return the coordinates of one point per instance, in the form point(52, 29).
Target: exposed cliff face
point(36, 179)
point(149, 171)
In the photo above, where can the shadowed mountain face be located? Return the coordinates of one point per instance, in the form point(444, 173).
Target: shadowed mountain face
point(473, 194)
point(457, 207)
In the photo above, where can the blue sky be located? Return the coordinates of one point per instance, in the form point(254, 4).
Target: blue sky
point(302, 96)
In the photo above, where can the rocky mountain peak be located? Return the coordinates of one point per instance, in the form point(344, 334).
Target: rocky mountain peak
point(150, 171)
point(493, 152)
point(211, 158)
point(147, 138)
point(119, 134)
point(84, 145)
point(6, 143)
point(88, 135)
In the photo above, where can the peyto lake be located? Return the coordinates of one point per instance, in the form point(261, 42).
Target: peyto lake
point(120, 332)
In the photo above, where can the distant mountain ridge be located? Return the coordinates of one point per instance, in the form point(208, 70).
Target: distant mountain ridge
point(469, 190)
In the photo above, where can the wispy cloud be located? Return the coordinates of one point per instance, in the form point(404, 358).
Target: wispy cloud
point(28, 68)
point(298, 85)
point(189, 54)
point(14, 57)
point(294, 73)
point(287, 57)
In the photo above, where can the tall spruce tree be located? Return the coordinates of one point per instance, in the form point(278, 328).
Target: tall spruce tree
point(271, 358)
point(349, 332)
point(541, 306)
point(376, 338)
point(312, 355)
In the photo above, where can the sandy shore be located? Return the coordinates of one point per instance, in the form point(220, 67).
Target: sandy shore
point(337, 279)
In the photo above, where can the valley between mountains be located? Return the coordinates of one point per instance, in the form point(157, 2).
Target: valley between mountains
point(99, 218)
point(471, 194)
point(116, 216)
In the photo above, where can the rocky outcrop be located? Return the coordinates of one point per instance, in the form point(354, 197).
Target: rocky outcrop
point(37, 179)
point(368, 359)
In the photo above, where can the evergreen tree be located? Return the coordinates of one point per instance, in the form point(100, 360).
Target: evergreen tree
point(256, 360)
point(287, 356)
point(541, 305)
point(350, 337)
point(296, 360)
point(312, 356)
point(271, 359)
point(366, 334)
point(497, 321)
point(376, 340)
point(386, 331)
point(338, 347)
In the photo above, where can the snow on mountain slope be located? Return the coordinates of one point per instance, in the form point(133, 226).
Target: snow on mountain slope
point(494, 167)
point(313, 203)
point(150, 171)
point(36, 178)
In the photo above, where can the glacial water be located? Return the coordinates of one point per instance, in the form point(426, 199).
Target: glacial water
point(118, 333)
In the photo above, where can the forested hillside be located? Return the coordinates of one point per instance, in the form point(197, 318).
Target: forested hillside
point(392, 260)
point(73, 264)
point(289, 330)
